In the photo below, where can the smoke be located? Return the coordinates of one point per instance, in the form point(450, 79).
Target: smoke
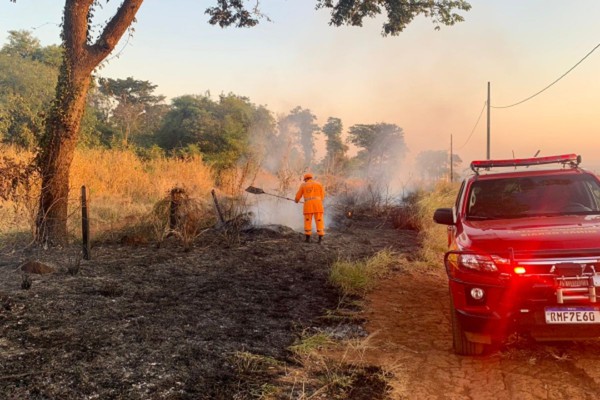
point(376, 175)
point(270, 210)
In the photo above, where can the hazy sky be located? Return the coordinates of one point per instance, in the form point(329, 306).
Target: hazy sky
point(430, 83)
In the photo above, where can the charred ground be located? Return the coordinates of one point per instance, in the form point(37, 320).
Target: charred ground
point(141, 322)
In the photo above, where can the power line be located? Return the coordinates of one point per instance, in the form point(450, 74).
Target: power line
point(473, 130)
point(552, 84)
point(44, 24)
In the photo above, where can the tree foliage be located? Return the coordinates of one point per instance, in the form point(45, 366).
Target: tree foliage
point(300, 125)
point(435, 164)
point(399, 13)
point(335, 157)
point(132, 105)
point(219, 130)
point(352, 12)
point(232, 12)
point(382, 147)
point(22, 44)
point(28, 76)
point(27, 81)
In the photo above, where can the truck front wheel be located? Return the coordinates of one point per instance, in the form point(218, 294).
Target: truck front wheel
point(461, 344)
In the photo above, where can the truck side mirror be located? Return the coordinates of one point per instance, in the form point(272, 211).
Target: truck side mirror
point(444, 216)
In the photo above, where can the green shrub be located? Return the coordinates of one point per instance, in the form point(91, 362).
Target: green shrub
point(358, 277)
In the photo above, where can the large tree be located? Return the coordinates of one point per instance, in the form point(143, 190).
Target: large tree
point(133, 100)
point(83, 53)
point(23, 45)
point(336, 149)
point(382, 148)
point(219, 130)
point(301, 124)
point(81, 56)
point(28, 75)
point(435, 164)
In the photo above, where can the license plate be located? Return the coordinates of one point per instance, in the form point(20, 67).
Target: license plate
point(572, 315)
point(573, 282)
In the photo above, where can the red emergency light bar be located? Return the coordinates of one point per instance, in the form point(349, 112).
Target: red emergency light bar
point(572, 159)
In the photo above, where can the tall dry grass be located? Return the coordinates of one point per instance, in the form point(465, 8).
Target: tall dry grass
point(125, 189)
point(17, 208)
point(433, 237)
point(121, 174)
point(122, 188)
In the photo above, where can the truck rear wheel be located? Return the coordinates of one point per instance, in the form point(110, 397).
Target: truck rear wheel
point(461, 344)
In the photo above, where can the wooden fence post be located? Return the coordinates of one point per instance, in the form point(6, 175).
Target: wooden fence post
point(219, 212)
point(85, 224)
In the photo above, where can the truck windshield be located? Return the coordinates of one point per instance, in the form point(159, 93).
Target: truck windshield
point(546, 195)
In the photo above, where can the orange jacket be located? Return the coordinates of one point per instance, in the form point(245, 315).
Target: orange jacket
point(314, 194)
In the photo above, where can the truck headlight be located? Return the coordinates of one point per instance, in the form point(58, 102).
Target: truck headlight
point(456, 261)
point(477, 262)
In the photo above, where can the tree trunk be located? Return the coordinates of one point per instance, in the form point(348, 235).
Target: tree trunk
point(64, 120)
point(62, 133)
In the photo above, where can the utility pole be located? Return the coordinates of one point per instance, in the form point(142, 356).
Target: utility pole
point(488, 122)
point(451, 157)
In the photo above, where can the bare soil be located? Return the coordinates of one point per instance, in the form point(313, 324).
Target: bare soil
point(217, 322)
point(408, 318)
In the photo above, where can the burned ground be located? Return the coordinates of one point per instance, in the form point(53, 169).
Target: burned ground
point(140, 322)
point(217, 322)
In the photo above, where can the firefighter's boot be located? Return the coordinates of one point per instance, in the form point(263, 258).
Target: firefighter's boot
point(306, 238)
point(320, 239)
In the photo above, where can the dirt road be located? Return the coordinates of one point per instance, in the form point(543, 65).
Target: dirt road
point(409, 322)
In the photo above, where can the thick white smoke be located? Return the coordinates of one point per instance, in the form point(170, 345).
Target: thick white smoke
point(268, 210)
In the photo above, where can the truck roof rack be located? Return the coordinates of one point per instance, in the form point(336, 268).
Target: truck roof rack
point(573, 160)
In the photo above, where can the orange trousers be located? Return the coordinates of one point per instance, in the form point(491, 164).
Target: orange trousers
point(319, 221)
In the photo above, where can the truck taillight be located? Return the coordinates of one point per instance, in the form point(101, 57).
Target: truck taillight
point(475, 262)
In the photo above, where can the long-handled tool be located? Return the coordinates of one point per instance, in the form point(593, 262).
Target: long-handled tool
point(255, 190)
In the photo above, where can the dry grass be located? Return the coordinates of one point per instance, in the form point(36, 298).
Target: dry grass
point(417, 214)
point(109, 173)
point(311, 343)
point(433, 236)
point(121, 174)
point(345, 376)
point(19, 197)
point(363, 198)
point(123, 189)
point(253, 370)
point(187, 221)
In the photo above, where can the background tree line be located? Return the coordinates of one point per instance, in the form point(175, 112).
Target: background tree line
point(226, 131)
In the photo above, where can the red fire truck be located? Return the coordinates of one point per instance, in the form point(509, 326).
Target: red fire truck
point(524, 252)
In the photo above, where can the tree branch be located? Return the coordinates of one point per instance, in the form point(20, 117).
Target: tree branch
point(113, 31)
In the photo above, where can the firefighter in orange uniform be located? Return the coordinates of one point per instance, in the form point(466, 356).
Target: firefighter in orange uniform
point(313, 194)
